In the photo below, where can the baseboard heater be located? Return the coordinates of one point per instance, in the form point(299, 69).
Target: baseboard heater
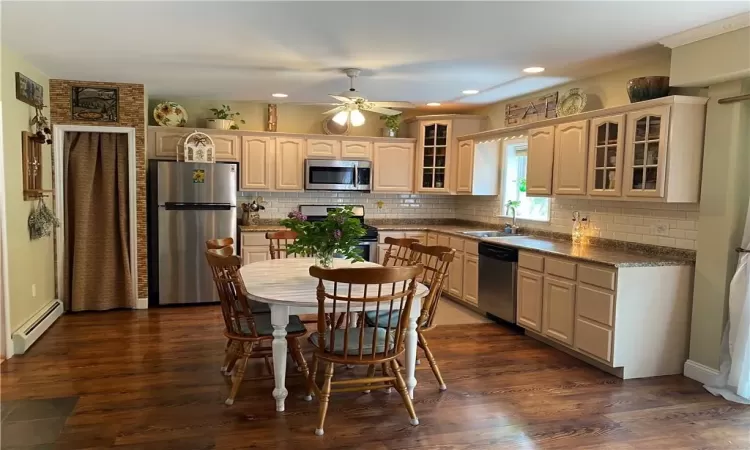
point(32, 330)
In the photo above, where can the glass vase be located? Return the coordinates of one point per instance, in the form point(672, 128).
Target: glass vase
point(324, 260)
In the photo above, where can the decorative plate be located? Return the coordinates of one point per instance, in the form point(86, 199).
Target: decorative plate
point(199, 147)
point(571, 103)
point(331, 127)
point(170, 114)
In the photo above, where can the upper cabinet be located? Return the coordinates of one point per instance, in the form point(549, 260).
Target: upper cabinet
point(478, 168)
point(570, 158)
point(290, 161)
point(541, 151)
point(438, 155)
point(356, 149)
point(646, 152)
point(323, 148)
point(258, 162)
point(166, 143)
point(606, 150)
point(393, 167)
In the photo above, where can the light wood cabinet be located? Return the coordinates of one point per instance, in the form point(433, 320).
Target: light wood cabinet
point(258, 162)
point(529, 298)
point(168, 143)
point(541, 146)
point(432, 156)
point(456, 279)
point(226, 147)
point(478, 168)
point(465, 170)
point(356, 150)
point(382, 248)
point(646, 152)
point(558, 320)
point(290, 157)
point(254, 254)
point(393, 167)
point(570, 160)
point(471, 278)
point(254, 247)
point(323, 148)
point(606, 149)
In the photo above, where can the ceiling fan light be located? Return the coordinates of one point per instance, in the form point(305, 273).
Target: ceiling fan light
point(534, 69)
point(433, 104)
point(357, 118)
point(341, 117)
point(470, 91)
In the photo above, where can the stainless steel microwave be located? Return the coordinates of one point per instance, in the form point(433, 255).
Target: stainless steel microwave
point(333, 175)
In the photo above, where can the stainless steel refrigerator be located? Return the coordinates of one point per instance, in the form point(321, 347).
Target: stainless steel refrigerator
point(189, 203)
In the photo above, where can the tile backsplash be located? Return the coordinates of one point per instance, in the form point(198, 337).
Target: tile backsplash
point(394, 206)
point(669, 225)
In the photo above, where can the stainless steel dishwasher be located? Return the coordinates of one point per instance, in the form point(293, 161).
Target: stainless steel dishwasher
point(497, 280)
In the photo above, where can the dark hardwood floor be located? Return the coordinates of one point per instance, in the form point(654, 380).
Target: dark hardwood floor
point(150, 380)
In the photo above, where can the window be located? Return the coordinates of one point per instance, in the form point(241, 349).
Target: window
point(514, 184)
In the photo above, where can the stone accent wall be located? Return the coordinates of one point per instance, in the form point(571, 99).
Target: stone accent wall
point(131, 114)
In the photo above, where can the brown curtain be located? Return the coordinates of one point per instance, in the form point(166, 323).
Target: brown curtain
point(96, 222)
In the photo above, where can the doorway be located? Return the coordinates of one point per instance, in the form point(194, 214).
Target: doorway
point(96, 203)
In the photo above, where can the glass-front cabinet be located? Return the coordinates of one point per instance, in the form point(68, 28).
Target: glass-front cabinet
point(434, 144)
point(645, 152)
point(606, 156)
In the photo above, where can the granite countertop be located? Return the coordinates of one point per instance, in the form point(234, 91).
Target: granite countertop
point(611, 253)
point(637, 255)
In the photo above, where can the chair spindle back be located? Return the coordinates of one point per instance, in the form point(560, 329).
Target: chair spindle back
point(398, 253)
point(356, 290)
point(436, 260)
point(278, 241)
point(235, 308)
point(213, 244)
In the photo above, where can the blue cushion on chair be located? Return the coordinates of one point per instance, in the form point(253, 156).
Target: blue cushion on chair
point(259, 307)
point(353, 347)
point(264, 328)
point(382, 319)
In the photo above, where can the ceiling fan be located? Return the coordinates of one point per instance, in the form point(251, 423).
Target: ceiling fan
point(353, 103)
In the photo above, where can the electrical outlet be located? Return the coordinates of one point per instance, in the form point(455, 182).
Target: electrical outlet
point(33, 290)
point(660, 230)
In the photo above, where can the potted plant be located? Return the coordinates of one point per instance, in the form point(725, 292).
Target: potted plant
point(225, 119)
point(392, 124)
point(336, 236)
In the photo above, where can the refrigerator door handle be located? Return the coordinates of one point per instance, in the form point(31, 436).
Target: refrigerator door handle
point(170, 206)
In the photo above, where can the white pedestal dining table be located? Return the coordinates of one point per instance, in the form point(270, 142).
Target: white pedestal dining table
point(287, 287)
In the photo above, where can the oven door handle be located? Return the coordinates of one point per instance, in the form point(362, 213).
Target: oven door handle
point(356, 174)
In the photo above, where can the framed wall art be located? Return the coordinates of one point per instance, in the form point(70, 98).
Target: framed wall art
point(29, 91)
point(94, 104)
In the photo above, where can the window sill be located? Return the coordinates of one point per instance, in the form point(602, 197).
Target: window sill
point(529, 219)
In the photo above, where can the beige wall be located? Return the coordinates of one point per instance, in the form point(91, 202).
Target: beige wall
point(291, 118)
point(712, 61)
point(602, 91)
point(724, 200)
point(29, 262)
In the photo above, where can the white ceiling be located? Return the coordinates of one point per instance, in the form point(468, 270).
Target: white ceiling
point(410, 51)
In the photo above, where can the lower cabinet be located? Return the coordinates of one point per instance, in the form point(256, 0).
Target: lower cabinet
point(529, 299)
point(559, 309)
point(471, 278)
point(456, 278)
point(254, 247)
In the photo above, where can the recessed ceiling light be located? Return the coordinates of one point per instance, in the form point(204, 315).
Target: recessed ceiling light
point(279, 95)
point(533, 69)
point(433, 104)
point(470, 91)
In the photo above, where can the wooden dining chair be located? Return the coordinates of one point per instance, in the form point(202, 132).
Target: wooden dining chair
point(384, 289)
point(213, 244)
point(436, 260)
point(227, 243)
point(247, 331)
point(398, 252)
point(275, 240)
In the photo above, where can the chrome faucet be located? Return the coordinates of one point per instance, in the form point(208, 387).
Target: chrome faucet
point(513, 227)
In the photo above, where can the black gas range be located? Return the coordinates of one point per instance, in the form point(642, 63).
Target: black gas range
point(368, 242)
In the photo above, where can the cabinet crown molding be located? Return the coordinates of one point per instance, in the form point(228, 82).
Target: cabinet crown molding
point(277, 134)
point(445, 117)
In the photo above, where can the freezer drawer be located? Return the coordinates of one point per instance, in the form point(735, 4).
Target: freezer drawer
point(184, 275)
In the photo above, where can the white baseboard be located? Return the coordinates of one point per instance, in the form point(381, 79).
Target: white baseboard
point(699, 372)
point(141, 303)
point(33, 329)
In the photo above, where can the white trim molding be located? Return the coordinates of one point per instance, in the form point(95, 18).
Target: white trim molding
point(58, 148)
point(706, 31)
point(142, 303)
point(6, 338)
point(699, 372)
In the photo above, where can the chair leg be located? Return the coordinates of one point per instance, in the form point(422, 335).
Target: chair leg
point(269, 367)
point(384, 368)
point(311, 378)
point(230, 357)
point(433, 365)
point(299, 358)
point(325, 394)
point(240, 373)
point(370, 374)
point(401, 387)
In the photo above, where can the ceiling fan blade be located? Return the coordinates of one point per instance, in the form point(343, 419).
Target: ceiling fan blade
point(334, 110)
point(342, 99)
point(384, 111)
point(394, 104)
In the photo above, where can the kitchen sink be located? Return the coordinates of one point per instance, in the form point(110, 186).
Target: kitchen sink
point(488, 234)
